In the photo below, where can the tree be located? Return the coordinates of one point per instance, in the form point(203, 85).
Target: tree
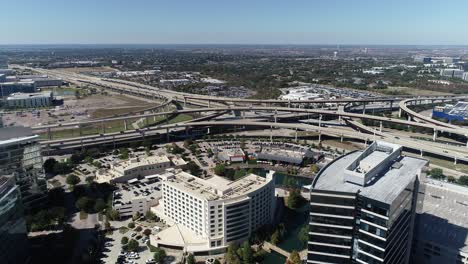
point(231, 255)
point(84, 204)
point(138, 228)
point(62, 168)
point(220, 170)
point(150, 216)
point(132, 245)
point(89, 179)
point(193, 168)
point(147, 232)
point(159, 255)
point(124, 240)
point(275, 237)
point(49, 165)
point(294, 258)
point(113, 214)
point(216, 261)
point(304, 234)
point(437, 173)
point(100, 205)
point(247, 254)
point(239, 173)
point(73, 180)
point(190, 259)
point(295, 199)
point(463, 180)
point(131, 225)
point(314, 168)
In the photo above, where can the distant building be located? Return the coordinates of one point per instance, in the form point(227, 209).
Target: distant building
point(7, 72)
point(465, 76)
point(14, 246)
point(422, 59)
point(452, 73)
point(41, 80)
point(362, 207)
point(441, 229)
point(457, 112)
point(3, 61)
point(29, 100)
point(20, 157)
point(284, 153)
point(207, 215)
point(8, 88)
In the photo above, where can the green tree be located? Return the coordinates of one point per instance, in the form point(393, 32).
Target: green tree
point(150, 216)
point(89, 180)
point(124, 240)
point(231, 255)
point(247, 254)
point(100, 205)
point(73, 180)
point(437, 173)
point(133, 245)
point(159, 255)
point(463, 180)
point(304, 234)
point(131, 225)
point(113, 214)
point(314, 168)
point(275, 237)
point(84, 204)
point(49, 165)
point(190, 259)
point(220, 169)
point(295, 199)
point(294, 258)
point(147, 232)
point(239, 173)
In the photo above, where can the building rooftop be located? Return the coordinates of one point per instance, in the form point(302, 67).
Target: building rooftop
point(148, 189)
point(385, 189)
point(443, 214)
point(216, 187)
point(28, 95)
point(12, 134)
point(137, 162)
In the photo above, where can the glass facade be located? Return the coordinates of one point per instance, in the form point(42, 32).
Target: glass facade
point(22, 159)
point(14, 245)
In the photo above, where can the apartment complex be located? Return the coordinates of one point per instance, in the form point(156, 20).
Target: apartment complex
point(20, 157)
point(209, 214)
point(14, 245)
point(363, 207)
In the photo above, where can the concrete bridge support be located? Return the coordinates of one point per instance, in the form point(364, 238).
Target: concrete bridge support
point(167, 135)
point(49, 134)
point(271, 133)
point(364, 108)
point(125, 125)
point(295, 136)
point(380, 127)
point(434, 136)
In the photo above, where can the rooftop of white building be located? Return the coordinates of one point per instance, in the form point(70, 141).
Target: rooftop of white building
point(215, 188)
point(138, 162)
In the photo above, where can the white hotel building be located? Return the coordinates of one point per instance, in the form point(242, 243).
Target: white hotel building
point(209, 214)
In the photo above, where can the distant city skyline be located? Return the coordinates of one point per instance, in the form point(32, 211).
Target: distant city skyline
point(358, 22)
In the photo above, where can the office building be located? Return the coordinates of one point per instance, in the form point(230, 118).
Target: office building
point(452, 73)
point(29, 100)
point(230, 154)
point(363, 207)
point(441, 227)
point(465, 76)
point(123, 171)
point(20, 157)
point(14, 246)
point(40, 80)
point(8, 88)
point(207, 215)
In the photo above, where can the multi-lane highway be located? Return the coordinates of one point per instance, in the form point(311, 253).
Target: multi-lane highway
point(216, 105)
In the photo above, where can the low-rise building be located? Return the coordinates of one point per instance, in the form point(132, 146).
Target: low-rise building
point(207, 215)
point(29, 100)
point(135, 168)
point(137, 197)
point(284, 153)
point(229, 154)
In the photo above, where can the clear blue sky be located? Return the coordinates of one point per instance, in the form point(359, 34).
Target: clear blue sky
point(234, 21)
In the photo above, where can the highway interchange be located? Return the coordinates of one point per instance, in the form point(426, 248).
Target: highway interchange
point(235, 113)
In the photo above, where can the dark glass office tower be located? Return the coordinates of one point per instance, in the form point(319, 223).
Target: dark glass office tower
point(363, 207)
point(20, 157)
point(14, 247)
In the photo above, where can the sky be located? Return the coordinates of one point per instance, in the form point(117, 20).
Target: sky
point(387, 22)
